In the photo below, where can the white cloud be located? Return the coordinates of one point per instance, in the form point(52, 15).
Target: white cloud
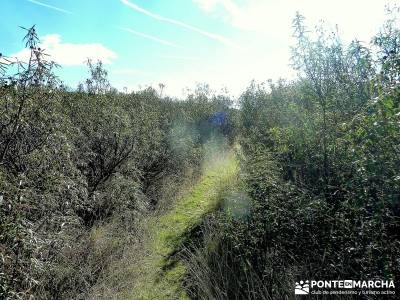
point(150, 37)
point(69, 54)
point(207, 5)
point(205, 33)
point(50, 6)
point(264, 27)
point(234, 71)
point(355, 18)
point(264, 30)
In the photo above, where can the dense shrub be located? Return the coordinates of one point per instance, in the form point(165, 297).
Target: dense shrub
point(79, 168)
point(319, 188)
point(320, 164)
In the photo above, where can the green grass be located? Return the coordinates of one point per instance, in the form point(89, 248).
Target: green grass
point(160, 274)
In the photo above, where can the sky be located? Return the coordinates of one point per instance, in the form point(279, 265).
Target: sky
point(180, 43)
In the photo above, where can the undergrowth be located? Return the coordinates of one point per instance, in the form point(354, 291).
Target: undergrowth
point(158, 272)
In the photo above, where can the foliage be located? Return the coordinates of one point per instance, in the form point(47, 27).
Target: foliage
point(320, 165)
point(318, 195)
point(74, 164)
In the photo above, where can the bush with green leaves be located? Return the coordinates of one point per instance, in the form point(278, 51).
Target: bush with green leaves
point(320, 166)
point(80, 168)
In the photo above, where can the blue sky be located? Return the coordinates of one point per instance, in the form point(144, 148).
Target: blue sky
point(225, 43)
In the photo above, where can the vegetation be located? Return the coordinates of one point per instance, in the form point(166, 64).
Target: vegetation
point(100, 187)
point(320, 171)
point(78, 169)
point(162, 271)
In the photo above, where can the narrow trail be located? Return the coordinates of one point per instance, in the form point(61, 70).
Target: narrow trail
point(160, 273)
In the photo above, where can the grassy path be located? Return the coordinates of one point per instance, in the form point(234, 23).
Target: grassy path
point(160, 276)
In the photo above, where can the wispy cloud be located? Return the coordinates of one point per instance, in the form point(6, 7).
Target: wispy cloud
point(69, 54)
point(51, 7)
point(150, 37)
point(273, 19)
point(253, 15)
point(208, 34)
point(209, 5)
